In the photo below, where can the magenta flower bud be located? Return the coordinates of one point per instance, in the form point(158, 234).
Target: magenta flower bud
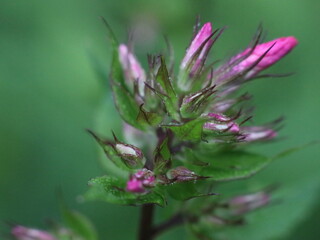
point(23, 233)
point(204, 33)
point(221, 123)
point(262, 56)
point(135, 186)
point(132, 68)
point(274, 50)
point(252, 134)
point(140, 181)
point(246, 203)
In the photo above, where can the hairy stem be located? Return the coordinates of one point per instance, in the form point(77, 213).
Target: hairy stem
point(146, 220)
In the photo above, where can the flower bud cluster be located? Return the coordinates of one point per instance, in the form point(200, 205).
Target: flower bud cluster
point(141, 181)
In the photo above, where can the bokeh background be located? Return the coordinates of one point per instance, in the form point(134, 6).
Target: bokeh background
point(54, 61)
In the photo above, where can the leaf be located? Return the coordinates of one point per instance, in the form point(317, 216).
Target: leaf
point(190, 131)
point(162, 159)
point(163, 79)
point(77, 222)
point(125, 103)
point(292, 150)
point(112, 190)
point(230, 165)
point(80, 224)
point(147, 119)
point(185, 190)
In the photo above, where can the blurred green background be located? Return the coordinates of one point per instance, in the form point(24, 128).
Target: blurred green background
point(52, 88)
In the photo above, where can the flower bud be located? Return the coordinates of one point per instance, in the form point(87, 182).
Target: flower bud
point(132, 155)
point(221, 123)
point(204, 33)
point(183, 174)
point(246, 203)
point(252, 134)
point(194, 104)
point(141, 180)
point(23, 233)
point(132, 68)
point(253, 60)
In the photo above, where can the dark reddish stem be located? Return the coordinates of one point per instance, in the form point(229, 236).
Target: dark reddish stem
point(146, 222)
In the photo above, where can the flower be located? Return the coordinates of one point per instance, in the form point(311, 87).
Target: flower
point(221, 123)
point(202, 37)
point(252, 61)
point(245, 203)
point(132, 68)
point(183, 174)
point(140, 181)
point(23, 233)
point(258, 133)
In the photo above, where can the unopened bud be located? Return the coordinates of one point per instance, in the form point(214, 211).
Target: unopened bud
point(23, 233)
point(253, 134)
point(195, 103)
point(183, 174)
point(204, 33)
point(221, 123)
point(246, 203)
point(132, 68)
point(141, 181)
point(252, 61)
point(132, 155)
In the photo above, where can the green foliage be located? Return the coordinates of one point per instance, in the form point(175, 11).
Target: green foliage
point(79, 224)
point(148, 119)
point(186, 190)
point(112, 190)
point(189, 131)
point(162, 159)
point(227, 165)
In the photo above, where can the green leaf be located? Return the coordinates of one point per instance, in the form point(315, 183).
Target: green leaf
point(80, 224)
point(229, 165)
point(77, 222)
point(185, 190)
point(162, 159)
point(163, 79)
point(147, 119)
point(190, 131)
point(112, 190)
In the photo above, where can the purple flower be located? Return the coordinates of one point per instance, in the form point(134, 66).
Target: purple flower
point(221, 123)
point(252, 61)
point(140, 181)
point(202, 36)
point(258, 133)
point(23, 233)
point(132, 68)
point(246, 203)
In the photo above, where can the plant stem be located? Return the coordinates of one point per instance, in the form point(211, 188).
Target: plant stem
point(146, 219)
point(172, 222)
